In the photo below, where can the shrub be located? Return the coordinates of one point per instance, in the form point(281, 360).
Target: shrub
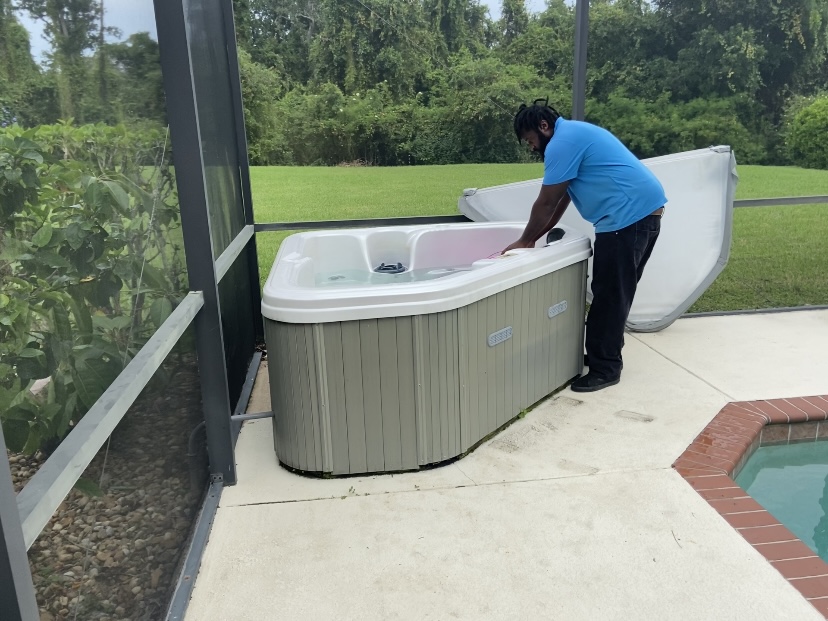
point(91, 263)
point(806, 136)
point(657, 128)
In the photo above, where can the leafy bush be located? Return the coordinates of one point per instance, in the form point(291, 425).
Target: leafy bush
point(91, 263)
point(657, 128)
point(465, 117)
point(806, 136)
point(261, 88)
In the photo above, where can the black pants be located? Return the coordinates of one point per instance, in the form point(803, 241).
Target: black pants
point(618, 262)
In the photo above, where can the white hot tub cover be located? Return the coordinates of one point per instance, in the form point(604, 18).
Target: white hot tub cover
point(694, 243)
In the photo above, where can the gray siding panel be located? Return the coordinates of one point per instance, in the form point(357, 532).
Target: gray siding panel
point(407, 388)
point(483, 353)
point(518, 360)
point(548, 353)
point(463, 378)
point(371, 397)
point(390, 379)
point(556, 286)
point(334, 365)
point(424, 403)
point(294, 389)
point(432, 371)
point(305, 340)
point(442, 368)
point(354, 405)
point(472, 375)
point(532, 374)
point(455, 386)
point(508, 355)
point(305, 370)
point(567, 322)
point(321, 381)
point(422, 396)
point(281, 417)
point(452, 413)
point(500, 357)
point(525, 366)
point(289, 399)
point(541, 373)
point(486, 327)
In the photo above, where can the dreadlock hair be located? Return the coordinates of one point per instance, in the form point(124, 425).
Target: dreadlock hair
point(529, 117)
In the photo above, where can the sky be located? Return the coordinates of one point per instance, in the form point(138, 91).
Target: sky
point(131, 16)
point(534, 6)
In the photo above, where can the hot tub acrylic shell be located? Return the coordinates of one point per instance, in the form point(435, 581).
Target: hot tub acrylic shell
point(369, 378)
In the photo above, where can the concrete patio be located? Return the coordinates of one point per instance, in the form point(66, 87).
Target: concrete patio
point(573, 512)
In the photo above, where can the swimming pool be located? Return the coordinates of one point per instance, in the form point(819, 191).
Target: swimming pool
point(791, 482)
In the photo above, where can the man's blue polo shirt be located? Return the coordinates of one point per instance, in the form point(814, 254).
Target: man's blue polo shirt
point(609, 186)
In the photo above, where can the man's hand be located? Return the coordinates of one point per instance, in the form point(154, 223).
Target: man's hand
point(521, 243)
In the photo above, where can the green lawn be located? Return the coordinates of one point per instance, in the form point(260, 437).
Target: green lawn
point(778, 257)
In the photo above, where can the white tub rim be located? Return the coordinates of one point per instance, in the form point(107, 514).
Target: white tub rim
point(286, 301)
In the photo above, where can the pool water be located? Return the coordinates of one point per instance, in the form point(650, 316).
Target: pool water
point(364, 277)
point(791, 482)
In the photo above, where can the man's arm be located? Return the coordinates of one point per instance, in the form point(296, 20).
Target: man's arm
point(557, 214)
point(547, 210)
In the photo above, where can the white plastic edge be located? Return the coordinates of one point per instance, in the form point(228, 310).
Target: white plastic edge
point(289, 303)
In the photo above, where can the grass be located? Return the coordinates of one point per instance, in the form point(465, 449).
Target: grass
point(777, 256)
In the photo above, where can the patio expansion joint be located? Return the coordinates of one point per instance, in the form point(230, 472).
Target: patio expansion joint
point(445, 488)
point(682, 367)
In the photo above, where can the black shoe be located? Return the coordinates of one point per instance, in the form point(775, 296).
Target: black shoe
point(591, 383)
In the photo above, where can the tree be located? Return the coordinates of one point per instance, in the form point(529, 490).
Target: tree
point(459, 23)
point(261, 88)
point(786, 41)
point(71, 26)
point(139, 80)
point(514, 19)
point(546, 45)
point(19, 74)
point(469, 118)
point(278, 34)
point(358, 47)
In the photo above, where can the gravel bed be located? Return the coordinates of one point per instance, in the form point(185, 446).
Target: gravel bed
point(113, 549)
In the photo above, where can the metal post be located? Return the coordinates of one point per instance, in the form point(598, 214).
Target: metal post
point(17, 594)
point(244, 168)
point(182, 113)
point(579, 79)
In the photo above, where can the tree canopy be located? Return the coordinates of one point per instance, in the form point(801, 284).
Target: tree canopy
point(393, 82)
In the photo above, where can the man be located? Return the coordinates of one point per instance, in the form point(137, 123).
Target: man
point(623, 200)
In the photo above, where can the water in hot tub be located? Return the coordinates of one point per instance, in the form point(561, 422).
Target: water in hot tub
point(341, 278)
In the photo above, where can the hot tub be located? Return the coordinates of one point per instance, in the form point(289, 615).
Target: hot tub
point(394, 348)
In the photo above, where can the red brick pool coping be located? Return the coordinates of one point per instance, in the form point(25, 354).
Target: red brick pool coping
point(718, 453)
